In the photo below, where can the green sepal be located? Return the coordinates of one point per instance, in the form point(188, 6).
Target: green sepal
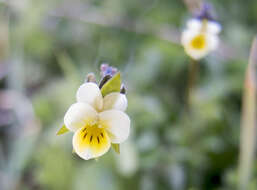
point(73, 151)
point(116, 148)
point(112, 85)
point(62, 130)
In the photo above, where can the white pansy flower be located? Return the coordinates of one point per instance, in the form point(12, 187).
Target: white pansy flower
point(200, 37)
point(97, 121)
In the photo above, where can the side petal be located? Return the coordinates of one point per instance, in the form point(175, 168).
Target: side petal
point(187, 36)
point(90, 93)
point(79, 115)
point(213, 27)
point(115, 101)
point(91, 142)
point(212, 41)
point(117, 124)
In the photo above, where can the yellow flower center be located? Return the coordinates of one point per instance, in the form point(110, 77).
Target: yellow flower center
point(199, 42)
point(94, 137)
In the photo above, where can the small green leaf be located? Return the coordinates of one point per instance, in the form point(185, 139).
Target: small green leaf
point(112, 85)
point(116, 148)
point(62, 130)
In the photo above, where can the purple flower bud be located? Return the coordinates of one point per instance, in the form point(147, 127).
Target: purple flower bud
point(107, 70)
point(205, 12)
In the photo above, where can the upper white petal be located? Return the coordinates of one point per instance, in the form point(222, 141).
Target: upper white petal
point(213, 27)
point(116, 101)
point(117, 123)
point(90, 93)
point(78, 115)
point(194, 24)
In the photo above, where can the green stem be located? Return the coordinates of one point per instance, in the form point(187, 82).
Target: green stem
point(192, 75)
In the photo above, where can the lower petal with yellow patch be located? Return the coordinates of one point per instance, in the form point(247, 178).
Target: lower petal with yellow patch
point(91, 141)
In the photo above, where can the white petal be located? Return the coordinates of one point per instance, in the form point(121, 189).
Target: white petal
point(115, 101)
point(212, 41)
point(194, 24)
point(213, 27)
point(117, 123)
point(196, 54)
point(90, 149)
point(187, 36)
point(90, 93)
point(78, 115)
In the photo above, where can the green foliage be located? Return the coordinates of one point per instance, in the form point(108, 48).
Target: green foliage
point(52, 170)
point(116, 148)
point(62, 130)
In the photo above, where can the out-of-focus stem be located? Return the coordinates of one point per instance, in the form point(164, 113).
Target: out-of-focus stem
point(248, 121)
point(193, 5)
point(193, 69)
point(4, 33)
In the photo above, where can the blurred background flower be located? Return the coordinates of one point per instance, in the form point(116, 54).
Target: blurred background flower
point(48, 47)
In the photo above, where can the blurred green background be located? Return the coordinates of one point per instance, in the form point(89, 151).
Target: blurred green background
point(48, 46)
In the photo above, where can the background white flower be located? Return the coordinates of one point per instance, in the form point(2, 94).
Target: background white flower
point(200, 37)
